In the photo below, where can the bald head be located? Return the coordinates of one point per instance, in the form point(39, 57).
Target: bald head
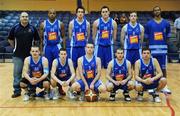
point(24, 18)
point(52, 14)
point(24, 14)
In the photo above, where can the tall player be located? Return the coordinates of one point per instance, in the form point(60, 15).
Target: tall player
point(79, 31)
point(157, 32)
point(132, 35)
point(104, 33)
point(119, 76)
point(89, 68)
point(52, 34)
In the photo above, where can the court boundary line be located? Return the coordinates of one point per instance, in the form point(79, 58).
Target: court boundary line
point(76, 106)
point(169, 104)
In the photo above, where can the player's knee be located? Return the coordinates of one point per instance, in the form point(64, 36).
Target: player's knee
point(163, 81)
point(53, 83)
point(46, 84)
point(102, 88)
point(139, 87)
point(75, 86)
point(23, 85)
point(130, 85)
point(109, 87)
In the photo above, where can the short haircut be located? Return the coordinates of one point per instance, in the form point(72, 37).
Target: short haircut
point(90, 42)
point(156, 7)
point(62, 49)
point(105, 7)
point(80, 7)
point(145, 49)
point(132, 12)
point(121, 49)
point(35, 46)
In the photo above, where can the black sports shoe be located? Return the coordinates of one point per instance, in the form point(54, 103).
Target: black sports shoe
point(140, 96)
point(16, 95)
point(112, 96)
point(126, 96)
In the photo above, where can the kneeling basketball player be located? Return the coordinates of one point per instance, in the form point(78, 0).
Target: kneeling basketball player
point(89, 68)
point(148, 76)
point(35, 72)
point(119, 76)
point(62, 73)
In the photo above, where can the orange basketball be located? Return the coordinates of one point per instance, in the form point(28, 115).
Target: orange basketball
point(90, 95)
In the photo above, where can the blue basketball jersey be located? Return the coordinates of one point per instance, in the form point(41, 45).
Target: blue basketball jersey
point(63, 71)
point(147, 71)
point(105, 32)
point(157, 33)
point(89, 68)
point(132, 40)
point(52, 34)
point(35, 69)
point(79, 33)
point(119, 71)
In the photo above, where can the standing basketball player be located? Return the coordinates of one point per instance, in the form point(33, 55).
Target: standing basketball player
point(157, 32)
point(148, 75)
point(35, 72)
point(104, 33)
point(62, 72)
point(89, 68)
point(79, 31)
point(132, 35)
point(21, 37)
point(52, 34)
point(119, 76)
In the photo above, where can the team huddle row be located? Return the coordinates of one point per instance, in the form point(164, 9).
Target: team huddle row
point(148, 75)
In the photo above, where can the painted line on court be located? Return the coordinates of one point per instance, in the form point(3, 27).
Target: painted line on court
point(77, 106)
point(169, 105)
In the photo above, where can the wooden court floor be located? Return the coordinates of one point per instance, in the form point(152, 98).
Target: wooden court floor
point(170, 105)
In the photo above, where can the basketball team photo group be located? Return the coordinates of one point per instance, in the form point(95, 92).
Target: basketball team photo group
point(97, 60)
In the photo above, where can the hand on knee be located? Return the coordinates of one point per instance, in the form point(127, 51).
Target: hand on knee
point(130, 87)
point(109, 88)
point(75, 87)
point(139, 88)
point(102, 89)
point(163, 81)
point(46, 85)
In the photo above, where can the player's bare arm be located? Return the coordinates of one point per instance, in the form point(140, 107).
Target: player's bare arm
point(142, 34)
point(45, 69)
point(63, 34)
point(98, 63)
point(70, 30)
point(88, 30)
point(129, 76)
point(70, 63)
point(137, 68)
point(94, 29)
point(122, 36)
point(81, 71)
point(158, 69)
point(109, 71)
point(115, 30)
point(53, 71)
